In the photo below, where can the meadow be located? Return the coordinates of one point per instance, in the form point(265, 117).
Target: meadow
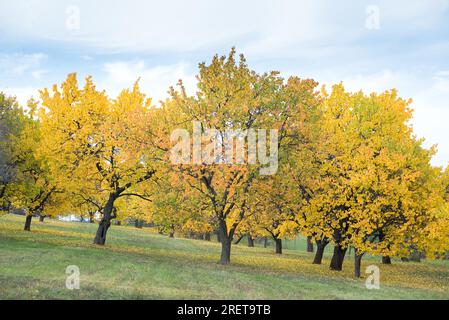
point(142, 264)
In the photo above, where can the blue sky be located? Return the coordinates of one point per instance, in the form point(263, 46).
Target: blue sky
point(371, 45)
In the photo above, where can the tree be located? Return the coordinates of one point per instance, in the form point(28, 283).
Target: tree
point(36, 187)
point(230, 97)
point(12, 119)
point(272, 206)
point(279, 198)
point(376, 187)
point(88, 137)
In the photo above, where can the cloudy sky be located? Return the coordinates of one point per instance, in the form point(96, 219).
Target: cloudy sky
point(371, 45)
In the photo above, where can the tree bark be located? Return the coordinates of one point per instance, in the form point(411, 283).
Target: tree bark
point(225, 251)
point(265, 242)
point(357, 264)
point(338, 258)
point(171, 235)
point(386, 260)
point(138, 224)
point(250, 241)
point(309, 244)
point(320, 246)
point(226, 243)
point(28, 223)
point(278, 243)
point(105, 223)
point(207, 236)
point(41, 218)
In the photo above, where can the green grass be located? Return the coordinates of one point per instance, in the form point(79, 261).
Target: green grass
point(140, 264)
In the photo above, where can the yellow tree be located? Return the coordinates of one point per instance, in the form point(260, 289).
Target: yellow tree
point(36, 188)
point(230, 98)
point(375, 187)
point(171, 204)
point(433, 238)
point(108, 143)
point(272, 206)
point(396, 188)
point(12, 121)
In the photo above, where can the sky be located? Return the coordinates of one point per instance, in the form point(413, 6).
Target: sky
point(370, 45)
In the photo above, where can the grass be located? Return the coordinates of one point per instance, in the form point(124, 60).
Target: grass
point(141, 264)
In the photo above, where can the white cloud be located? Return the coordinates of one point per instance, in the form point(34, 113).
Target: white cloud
point(37, 74)
point(23, 94)
point(154, 81)
point(19, 64)
point(258, 25)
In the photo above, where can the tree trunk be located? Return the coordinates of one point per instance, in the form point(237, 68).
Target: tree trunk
point(28, 223)
point(138, 224)
point(416, 256)
point(320, 246)
point(309, 244)
point(225, 251)
point(278, 245)
point(207, 236)
point(386, 260)
point(91, 217)
point(171, 235)
point(226, 242)
point(404, 259)
point(219, 237)
point(338, 258)
point(250, 241)
point(41, 218)
point(357, 264)
point(265, 242)
point(105, 223)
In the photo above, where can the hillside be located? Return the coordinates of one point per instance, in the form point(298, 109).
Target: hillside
point(141, 264)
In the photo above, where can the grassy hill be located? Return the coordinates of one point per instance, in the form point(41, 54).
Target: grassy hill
point(140, 264)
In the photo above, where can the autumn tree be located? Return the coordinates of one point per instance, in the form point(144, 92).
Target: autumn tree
point(89, 137)
point(12, 120)
point(375, 186)
point(230, 97)
point(36, 188)
point(271, 206)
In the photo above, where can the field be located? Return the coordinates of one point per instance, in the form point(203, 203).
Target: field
point(141, 264)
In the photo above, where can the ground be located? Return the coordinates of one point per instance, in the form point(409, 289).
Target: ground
point(141, 264)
